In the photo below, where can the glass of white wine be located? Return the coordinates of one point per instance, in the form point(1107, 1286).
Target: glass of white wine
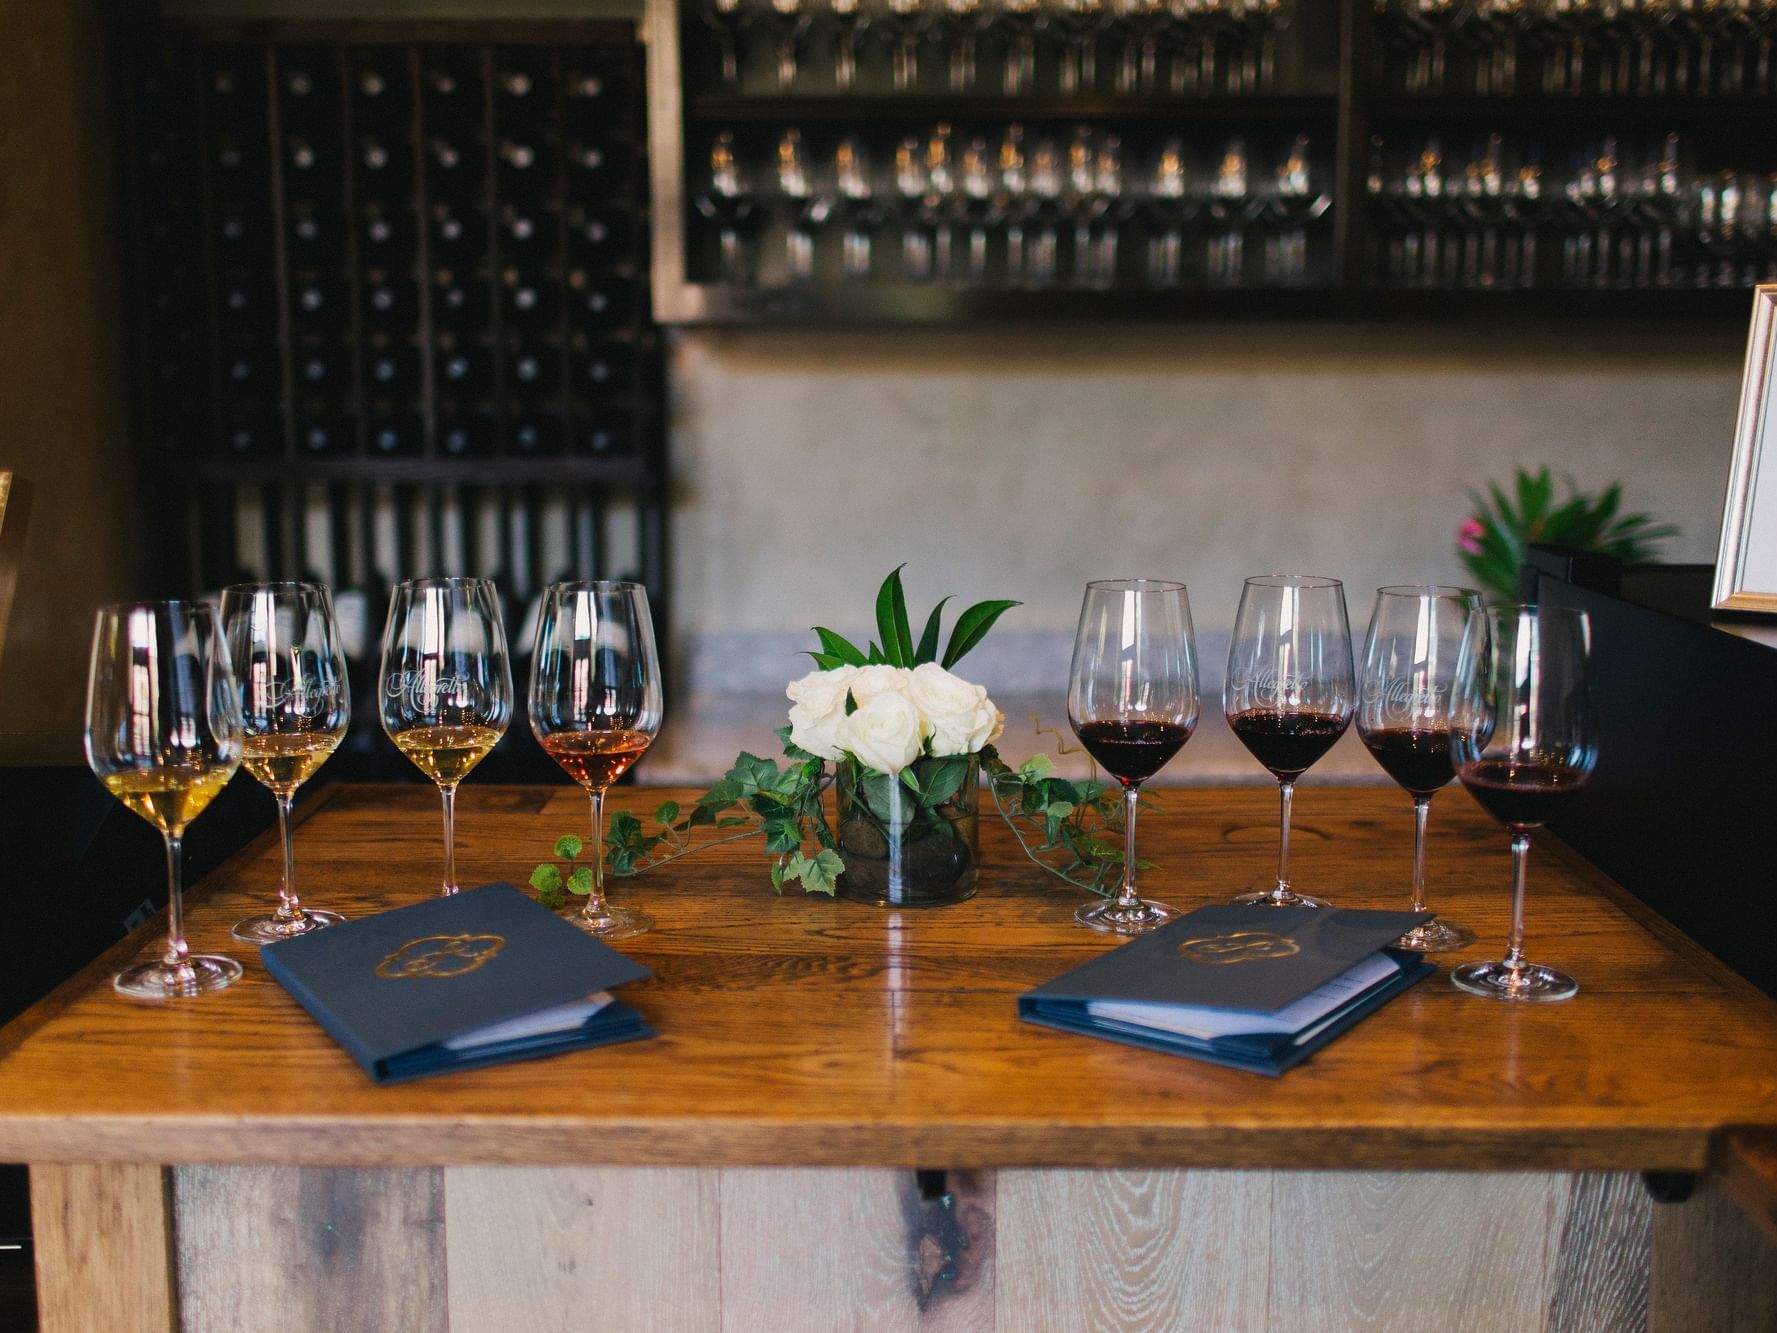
point(163, 733)
point(290, 677)
point(446, 684)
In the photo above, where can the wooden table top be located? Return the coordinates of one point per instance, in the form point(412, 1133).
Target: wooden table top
point(802, 1030)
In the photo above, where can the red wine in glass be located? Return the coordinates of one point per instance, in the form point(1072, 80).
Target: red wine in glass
point(1132, 699)
point(1289, 692)
point(1406, 686)
point(1524, 734)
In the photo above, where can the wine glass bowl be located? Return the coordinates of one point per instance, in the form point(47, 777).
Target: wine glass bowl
point(163, 734)
point(1133, 702)
point(290, 678)
point(596, 705)
point(1406, 687)
point(1524, 738)
point(1290, 692)
point(445, 687)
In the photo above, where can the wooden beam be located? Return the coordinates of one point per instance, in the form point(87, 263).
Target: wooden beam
point(104, 1244)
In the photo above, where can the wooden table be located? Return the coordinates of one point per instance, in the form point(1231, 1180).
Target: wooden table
point(222, 1164)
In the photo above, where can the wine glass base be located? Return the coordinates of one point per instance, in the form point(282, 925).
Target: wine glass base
point(269, 927)
point(1114, 920)
point(1271, 898)
point(614, 923)
point(1530, 981)
point(201, 974)
point(1436, 937)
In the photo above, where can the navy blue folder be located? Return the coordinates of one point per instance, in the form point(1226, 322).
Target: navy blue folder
point(453, 983)
point(1245, 965)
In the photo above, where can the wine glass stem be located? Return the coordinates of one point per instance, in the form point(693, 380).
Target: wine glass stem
point(1131, 799)
point(450, 838)
point(1421, 809)
point(289, 908)
point(1285, 792)
point(1520, 856)
point(178, 952)
point(595, 901)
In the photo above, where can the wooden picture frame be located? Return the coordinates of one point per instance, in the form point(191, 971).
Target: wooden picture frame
point(1746, 562)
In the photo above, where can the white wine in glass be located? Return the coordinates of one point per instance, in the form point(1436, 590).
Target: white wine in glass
point(295, 705)
point(163, 733)
point(446, 684)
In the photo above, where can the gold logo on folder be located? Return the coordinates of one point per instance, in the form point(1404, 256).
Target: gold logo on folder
point(1241, 946)
point(440, 956)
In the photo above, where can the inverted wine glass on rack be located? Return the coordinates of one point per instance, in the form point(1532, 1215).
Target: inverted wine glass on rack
point(1406, 687)
point(445, 685)
point(1133, 702)
point(290, 676)
point(163, 733)
point(595, 706)
point(1289, 693)
point(1524, 735)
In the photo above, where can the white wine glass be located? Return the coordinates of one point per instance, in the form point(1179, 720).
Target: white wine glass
point(445, 685)
point(595, 707)
point(163, 733)
point(290, 677)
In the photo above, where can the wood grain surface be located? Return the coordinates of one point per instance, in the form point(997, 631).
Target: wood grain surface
point(294, 1249)
point(104, 1248)
point(798, 1030)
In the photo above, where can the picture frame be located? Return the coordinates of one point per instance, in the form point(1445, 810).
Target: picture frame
point(1746, 561)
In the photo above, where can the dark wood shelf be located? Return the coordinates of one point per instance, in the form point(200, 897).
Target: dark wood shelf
point(741, 108)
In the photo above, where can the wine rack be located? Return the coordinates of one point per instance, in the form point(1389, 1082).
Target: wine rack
point(930, 160)
point(393, 314)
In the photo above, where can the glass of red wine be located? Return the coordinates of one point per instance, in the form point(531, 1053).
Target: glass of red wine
point(1132, 699)
point(596, 706)
point(1403, 714)
point(1524, 735)
point(1289, 692)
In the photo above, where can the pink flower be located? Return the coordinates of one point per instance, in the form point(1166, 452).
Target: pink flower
point(1468, 536)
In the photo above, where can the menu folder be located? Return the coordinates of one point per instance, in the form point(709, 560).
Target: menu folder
point(1255, 988)
point(482, 977)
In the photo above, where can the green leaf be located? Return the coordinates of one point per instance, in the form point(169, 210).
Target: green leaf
point(580, 882)
point(971, 627)
point(821, 872)
point(943, 780)
point(568, 846)
point(793, 750)
point(823, 660)
point(928, 641)
point(837, 646)
point(876, 659)
point(546, 879)
point(750, 773)
point(1037, 767)
point(782, 835)
point(731, 821)
point(667, 813)
point(910, 780)
point(891, 621)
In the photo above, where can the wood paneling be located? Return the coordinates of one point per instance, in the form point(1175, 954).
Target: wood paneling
point(104, 1247)
point(800, 1030)
point(583, 1248)
point(282, 1248)
point(1714, 1270)
point(1604, 1240)
point(64, 426)
point(1133, 1249)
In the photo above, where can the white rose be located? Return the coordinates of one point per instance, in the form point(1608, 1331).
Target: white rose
point(885, 734)
point(818, 710)
point(874, 681)
point(958, 714)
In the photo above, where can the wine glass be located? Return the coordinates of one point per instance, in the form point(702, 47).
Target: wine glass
point(595, 707)
point(1524, 736)
point(163, 733)
point(446, 693)
point(290, 678)
point(1403, 715)
point(1289, 693)
point(1132, 700)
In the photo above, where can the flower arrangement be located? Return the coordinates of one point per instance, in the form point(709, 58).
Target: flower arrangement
point(903, 742)
point(1493, 541)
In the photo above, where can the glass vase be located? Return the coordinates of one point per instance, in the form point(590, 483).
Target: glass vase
point(908, 849)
